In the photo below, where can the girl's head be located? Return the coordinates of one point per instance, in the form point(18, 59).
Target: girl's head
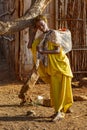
point(41, 23)
point(41, 17)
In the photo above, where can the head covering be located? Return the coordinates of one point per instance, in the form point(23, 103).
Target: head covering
point(41, 17)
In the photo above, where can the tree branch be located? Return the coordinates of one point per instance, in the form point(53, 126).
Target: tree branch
point(26, 20)
point(10, 12)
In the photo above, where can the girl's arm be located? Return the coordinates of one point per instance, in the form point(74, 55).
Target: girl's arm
point(55, 51)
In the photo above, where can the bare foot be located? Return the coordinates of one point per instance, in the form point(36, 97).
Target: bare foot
point(58, 116)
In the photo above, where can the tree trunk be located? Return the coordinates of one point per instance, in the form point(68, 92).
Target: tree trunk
point(25, 21)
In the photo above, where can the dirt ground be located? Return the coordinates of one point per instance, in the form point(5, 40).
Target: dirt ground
point(15, 117)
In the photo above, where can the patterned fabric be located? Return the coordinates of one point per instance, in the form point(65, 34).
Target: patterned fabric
point(62, 38)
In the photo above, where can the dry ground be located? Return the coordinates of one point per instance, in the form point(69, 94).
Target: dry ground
point(14, 117)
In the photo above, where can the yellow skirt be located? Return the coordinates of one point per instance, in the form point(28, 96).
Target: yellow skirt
point(58, 74)
point(60, 89)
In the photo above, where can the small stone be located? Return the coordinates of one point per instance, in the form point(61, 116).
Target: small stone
point(79, 98)
point(30, 113)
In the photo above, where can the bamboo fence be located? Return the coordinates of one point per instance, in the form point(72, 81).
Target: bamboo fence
point(71, 14)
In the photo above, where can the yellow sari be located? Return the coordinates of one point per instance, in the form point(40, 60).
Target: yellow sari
point(58, 74)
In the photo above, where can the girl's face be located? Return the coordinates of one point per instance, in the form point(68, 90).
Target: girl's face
point(42, 26)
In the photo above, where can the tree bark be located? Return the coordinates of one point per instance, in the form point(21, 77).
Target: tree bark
point(26, 20)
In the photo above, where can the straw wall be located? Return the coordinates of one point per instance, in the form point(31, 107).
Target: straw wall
point(72, 14)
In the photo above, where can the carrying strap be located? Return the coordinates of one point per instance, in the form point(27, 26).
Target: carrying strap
point(43, 44)
point(44, 40)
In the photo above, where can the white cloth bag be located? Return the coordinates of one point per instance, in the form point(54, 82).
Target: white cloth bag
point(65, 40)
